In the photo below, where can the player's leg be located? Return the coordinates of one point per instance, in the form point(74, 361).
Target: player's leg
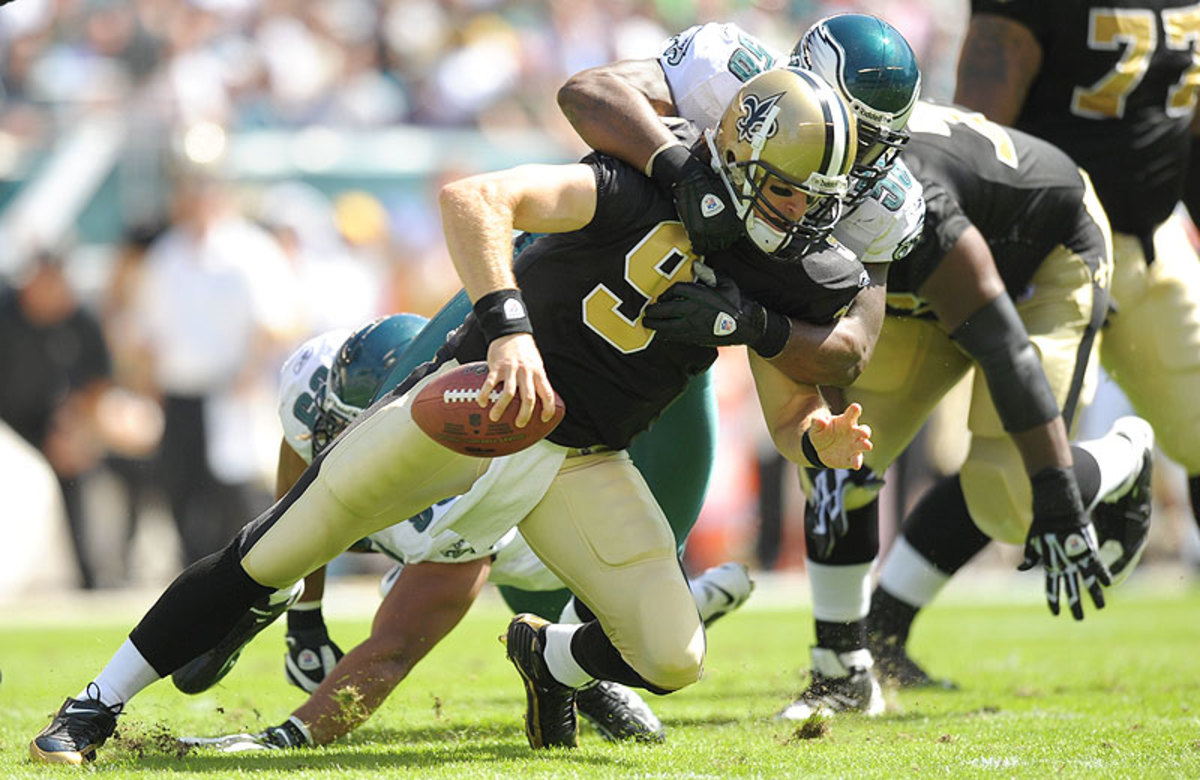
point(914, 365)
point(382, 468)
point(613, 553)
point(1151, 344)
point(675, 457)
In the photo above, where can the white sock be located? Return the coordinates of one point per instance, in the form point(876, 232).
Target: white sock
point(841, 594)
point(125, 675)
point(559, 660)
point(1119, 459)
point(569, 615)
point(909, 576)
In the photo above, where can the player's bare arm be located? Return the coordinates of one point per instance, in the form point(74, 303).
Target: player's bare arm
point(963, 285)
point(287, 471)
point(794, 412)
point(999, 60)
point(479, 215)
point(837, 353)
point(427, 601)
point(615, 109)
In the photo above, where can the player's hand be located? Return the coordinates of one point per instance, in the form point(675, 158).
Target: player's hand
point(701, 199)
point(716, 316)
point(1063, 540)
point(515, 370)
point(840, 440)
point(311, 656)
point(825, 516)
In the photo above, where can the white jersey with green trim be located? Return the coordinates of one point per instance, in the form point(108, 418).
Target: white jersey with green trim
point(705, 66)
point(302, 387)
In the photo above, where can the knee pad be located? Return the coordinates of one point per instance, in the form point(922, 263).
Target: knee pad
point(997, 490)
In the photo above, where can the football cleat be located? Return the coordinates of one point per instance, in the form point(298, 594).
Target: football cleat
point(720, 590)
point(209, 668)
point(841, 682)
point(1123, 524)
point(78, 729)
point(549, 705)
point(618, 713)
point(894, 665)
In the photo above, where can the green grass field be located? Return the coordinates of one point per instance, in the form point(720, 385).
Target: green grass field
point(1117, 695)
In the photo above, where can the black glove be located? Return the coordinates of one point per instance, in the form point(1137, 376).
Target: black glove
point(1063, 540)
point(700, 197)
point(825, 517)
point(311, 656)
point(717, 316)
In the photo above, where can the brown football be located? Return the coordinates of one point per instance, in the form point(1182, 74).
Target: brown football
point(445, 409)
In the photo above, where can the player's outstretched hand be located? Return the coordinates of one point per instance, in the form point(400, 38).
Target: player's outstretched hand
point(1072, 562)
point(515, 370)
point(311, 656)
point(840, 440)
point(1063, 540)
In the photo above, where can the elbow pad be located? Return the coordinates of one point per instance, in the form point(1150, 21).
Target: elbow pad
point(996, 338)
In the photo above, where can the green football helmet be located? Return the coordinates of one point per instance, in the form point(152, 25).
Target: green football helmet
point(363, 362)
point(875, 71)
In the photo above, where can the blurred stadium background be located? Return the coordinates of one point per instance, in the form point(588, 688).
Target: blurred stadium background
point(328, 126)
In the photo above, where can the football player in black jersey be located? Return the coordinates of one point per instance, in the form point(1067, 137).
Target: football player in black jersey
point(1113, 84)
point(1009, 280)
point(786, 138)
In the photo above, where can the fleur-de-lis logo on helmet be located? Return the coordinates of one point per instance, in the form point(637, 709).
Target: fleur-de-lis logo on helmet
point(755, 111)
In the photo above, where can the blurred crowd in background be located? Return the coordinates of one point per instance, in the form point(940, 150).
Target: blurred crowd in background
point(188, 190)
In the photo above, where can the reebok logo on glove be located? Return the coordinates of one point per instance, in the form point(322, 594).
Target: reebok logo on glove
point(724, 324)
point(711, 206)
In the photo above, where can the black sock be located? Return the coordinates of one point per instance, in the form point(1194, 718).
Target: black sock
point(597, 656)
point(842, 637)
point(1087, 474)
point(305, 619)
point(196, 611)
point(890, 617)
point(940, 527)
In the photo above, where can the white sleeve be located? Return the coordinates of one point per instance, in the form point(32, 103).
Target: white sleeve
point(886, 225)
point(705, 66)
point(301, 384)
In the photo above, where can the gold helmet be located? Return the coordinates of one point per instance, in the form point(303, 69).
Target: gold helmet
point(787, 125)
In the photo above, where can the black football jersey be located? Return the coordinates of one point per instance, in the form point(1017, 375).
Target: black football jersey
point(586, 291)
point(1024, 195)
point(1116, 91)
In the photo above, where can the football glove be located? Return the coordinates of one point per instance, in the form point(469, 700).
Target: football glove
point(310, 658)
point(700, 198)
point(1063, 540)
point(716, 316)
point(825, 515)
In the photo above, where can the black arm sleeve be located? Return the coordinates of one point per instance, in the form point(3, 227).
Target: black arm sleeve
point(996, 338)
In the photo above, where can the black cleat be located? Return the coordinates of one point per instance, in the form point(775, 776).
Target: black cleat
point(208, 669)
point(1123, 525)
point(618, 713)
point(549, 705)
point(894, 665)
point(841, 682)
point(80, 727)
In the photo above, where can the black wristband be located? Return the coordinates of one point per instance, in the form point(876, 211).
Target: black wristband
point(777, 331)
point(502, 313)
point(667, 166)
point(810, 451)
point(1056, 495)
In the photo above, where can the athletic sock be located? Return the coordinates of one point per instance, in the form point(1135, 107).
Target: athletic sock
point(559, 660)
point(123, 677)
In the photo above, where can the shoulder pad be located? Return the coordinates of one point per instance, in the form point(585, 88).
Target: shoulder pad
point(302, 386)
